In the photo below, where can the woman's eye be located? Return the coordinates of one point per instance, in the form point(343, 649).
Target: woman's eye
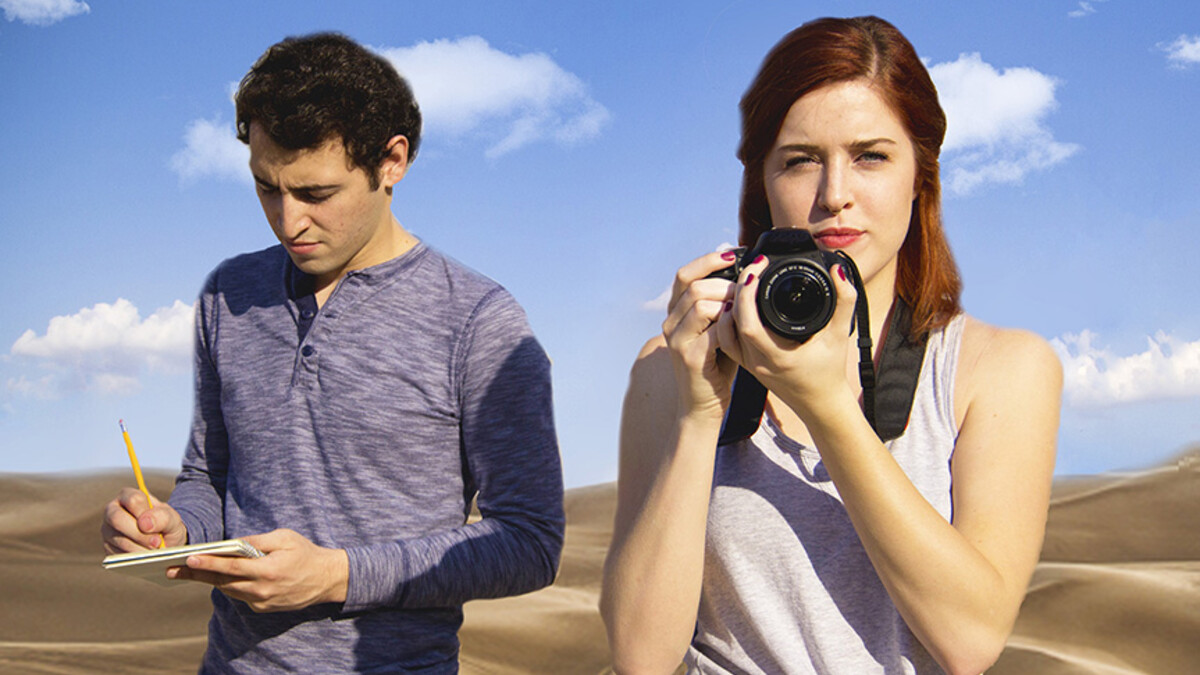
point(873, 157)
point(798, 160)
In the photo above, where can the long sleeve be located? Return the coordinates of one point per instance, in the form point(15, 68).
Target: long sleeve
point(200, 486)
point(510, 454)
point(370, 425)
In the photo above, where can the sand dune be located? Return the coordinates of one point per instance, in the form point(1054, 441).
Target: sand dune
point(1117, 591)
point(1118, 588)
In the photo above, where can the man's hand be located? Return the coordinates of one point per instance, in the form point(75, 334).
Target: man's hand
point(295, 573)
point(131, 524)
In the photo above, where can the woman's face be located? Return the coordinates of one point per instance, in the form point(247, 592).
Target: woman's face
point(844, 169)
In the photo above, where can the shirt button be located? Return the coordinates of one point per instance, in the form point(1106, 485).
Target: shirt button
point(308, 350)
point(308, 314)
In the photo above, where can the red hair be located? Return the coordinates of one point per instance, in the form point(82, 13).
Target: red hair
point(827, 51)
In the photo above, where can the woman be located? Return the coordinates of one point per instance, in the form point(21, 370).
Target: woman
point(813, 546)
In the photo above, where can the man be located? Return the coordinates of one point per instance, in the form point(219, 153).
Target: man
point(355, 389)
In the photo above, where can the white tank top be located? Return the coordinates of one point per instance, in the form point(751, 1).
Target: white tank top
point(788, 587)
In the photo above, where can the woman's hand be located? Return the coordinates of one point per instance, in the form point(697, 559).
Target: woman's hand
point(807, 375)
point(703, 376)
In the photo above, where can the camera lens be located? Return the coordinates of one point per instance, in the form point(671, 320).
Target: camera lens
point(798, 298)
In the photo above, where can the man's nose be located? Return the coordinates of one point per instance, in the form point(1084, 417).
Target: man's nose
point(290, 216)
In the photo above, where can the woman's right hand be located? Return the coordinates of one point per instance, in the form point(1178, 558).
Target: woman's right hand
point(703, 375)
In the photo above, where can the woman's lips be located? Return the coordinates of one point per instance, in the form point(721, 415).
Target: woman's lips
point(838, 237)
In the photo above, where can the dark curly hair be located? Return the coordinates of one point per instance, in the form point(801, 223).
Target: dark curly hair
point(306, 90)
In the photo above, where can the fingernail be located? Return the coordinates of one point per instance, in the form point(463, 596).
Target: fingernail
point(759, 259)
point(729, 256)
point(728, 306)
point(749, 278)
point(842, 272)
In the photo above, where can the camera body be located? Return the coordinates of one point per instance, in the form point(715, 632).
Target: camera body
point(796, 295)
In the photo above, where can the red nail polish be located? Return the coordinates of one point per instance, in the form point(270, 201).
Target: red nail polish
point(729, 256)
point(842, 272)
point(749, 278)
point(759, 259)
point(728, 306)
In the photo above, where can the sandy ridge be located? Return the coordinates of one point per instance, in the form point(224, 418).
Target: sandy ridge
point(1117, 591)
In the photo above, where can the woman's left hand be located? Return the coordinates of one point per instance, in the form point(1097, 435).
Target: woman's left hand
point(806, 374)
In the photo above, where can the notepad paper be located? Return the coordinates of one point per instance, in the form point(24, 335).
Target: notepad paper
point(152, 564)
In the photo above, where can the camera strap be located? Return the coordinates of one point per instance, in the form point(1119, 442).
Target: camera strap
point(900, 362)
point(866, 361)
point(887, 395)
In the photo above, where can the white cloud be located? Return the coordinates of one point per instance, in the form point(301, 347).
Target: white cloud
point(42, 12)
point(105, 349)
point(211, 148)
point(1085, 9)
point(44, 388)
point(1184, 51)
point(466, 87)
point(660, 303)
point(1094, 376)
point(995, 131)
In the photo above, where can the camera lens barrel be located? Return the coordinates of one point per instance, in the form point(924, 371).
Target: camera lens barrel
point(796, 297)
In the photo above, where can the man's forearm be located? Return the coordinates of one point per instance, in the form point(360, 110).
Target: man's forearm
point(494, 557)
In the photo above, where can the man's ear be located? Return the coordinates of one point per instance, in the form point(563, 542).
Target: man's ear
point(395, 163)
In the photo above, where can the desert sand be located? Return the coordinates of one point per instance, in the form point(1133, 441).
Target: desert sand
point(1117, 590)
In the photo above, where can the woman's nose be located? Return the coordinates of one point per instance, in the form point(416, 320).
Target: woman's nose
point(834, 196)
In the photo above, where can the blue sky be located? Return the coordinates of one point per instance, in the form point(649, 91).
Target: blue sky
point(578, 153)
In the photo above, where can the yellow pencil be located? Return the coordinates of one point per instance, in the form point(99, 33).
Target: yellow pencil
point(137, 472)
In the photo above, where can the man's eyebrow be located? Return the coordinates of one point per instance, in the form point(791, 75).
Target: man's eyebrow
point(314, 188)
point(299, 188)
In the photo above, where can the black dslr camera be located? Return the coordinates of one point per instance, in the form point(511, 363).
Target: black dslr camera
point(796, 295)
point(796, 298)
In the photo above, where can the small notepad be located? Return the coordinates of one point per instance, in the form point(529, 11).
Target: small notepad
point(152, 564)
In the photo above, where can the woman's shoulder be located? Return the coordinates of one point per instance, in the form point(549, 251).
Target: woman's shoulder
point(997, 346)
point(652, 376)
point(993, 359)
point(654, 347)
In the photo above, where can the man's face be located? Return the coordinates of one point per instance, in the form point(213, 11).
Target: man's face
point(322, 208)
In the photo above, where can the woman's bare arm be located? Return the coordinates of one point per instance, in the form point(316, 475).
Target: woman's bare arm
point(678, 391)
point(654, 568)
point(959, 586)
